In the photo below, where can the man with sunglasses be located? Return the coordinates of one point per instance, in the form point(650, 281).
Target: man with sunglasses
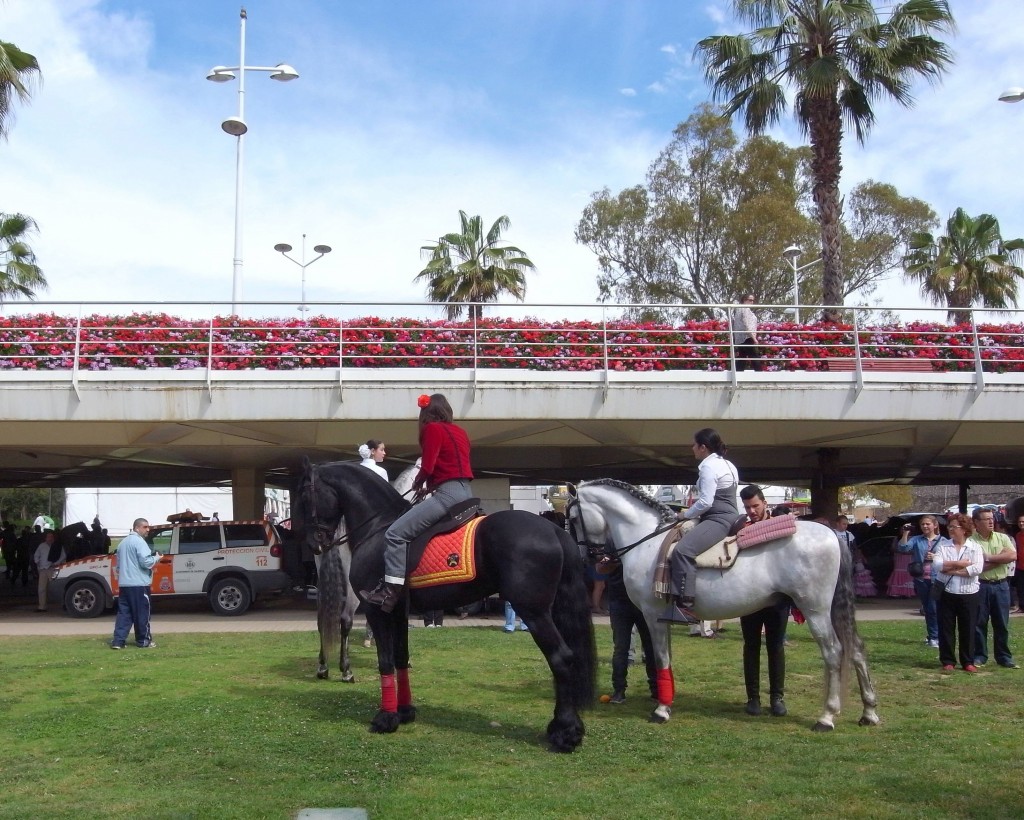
point(135, 562)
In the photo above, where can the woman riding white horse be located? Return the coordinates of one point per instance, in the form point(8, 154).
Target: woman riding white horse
point(613, 518)
point(715, 511)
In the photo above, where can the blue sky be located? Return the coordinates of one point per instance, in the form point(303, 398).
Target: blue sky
point(406, 112)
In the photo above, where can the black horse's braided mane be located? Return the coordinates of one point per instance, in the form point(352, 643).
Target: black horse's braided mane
point(664, 511)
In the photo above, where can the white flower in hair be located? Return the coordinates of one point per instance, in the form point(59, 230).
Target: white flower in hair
point(364, 451)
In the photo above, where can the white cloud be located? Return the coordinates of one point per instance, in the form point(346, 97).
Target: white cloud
point(627, 92)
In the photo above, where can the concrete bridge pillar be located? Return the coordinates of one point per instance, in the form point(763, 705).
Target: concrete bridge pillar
point(248, 494)
point(825, 485)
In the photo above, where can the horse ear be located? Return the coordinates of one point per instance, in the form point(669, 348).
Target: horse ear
point(571, 490)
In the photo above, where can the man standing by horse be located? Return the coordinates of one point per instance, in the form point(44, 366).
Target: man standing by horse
point(771, 620)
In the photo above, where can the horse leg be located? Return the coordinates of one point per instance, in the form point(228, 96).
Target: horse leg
point(322, 670)
point(869, 717)
point(820, 624)
point(565, 731)
point(406, 710)
point(384, 628)
point(345, 661)
point(665, 681)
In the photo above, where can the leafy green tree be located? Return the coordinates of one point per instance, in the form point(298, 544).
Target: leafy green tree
point(19, 273)
point(709, 226)
point(18, 72)
point(470, 266)
point(715, 215)
point(20, 505)
point(971, 264)
point(839, 56)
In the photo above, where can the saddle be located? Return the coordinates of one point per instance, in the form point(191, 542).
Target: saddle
point(444, 554)
point(723, 554)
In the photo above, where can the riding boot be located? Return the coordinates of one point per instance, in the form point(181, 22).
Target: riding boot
point(384, 595)
point(679, 612)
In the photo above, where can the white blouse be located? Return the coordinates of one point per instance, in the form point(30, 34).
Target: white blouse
point(373, 465)
point(715, 473)
point(946, 550)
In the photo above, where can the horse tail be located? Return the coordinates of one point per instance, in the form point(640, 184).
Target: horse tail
point(330, 601)
point(571, 614)
point(844, 618)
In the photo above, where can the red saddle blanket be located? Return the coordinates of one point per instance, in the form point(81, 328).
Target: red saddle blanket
point(449, 558)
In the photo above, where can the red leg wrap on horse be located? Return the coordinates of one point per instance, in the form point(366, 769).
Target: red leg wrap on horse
point(666, 687)
point(388, 700)
point(404, 692)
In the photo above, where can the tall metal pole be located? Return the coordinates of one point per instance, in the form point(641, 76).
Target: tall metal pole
point(796, 291)
point(236, 268)
point(302, 304)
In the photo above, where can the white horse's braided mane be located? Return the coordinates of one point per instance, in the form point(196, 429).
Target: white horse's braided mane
point(664, 511)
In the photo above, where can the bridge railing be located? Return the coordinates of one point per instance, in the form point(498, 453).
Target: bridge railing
point(172, 336)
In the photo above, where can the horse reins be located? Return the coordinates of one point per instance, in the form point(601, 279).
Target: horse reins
point(596, 550)
point(323, 528)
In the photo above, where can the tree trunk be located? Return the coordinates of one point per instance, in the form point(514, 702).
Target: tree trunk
point(825, 127)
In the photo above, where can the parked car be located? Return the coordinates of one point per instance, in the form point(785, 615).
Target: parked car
point(230, 562)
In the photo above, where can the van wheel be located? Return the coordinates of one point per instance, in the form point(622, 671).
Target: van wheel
point(84, 599)
point(230, 596)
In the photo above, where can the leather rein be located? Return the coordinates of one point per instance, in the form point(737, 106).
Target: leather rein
point(597, 551)
point(323, 532)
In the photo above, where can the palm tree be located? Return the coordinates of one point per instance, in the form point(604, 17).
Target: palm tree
point(469, 266)
point(839, 57)
point(19, 273)
point(971, 264)
point(17, 72)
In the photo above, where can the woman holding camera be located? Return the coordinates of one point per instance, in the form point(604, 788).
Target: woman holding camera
point(956, 565)
point(921, 548)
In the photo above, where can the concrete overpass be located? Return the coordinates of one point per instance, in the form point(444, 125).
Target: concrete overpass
point(818, 429)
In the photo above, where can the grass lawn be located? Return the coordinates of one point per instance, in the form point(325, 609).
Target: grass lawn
point(237, 726)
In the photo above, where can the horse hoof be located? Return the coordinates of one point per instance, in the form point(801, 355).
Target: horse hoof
point(822, 727)
point(384, 723)
point(661, 714)
point(406, 714)
point(565, 737)
point(322, 674)
point(868, 721)
point(349, 678)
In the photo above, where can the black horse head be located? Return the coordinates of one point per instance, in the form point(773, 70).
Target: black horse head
point(330, 492)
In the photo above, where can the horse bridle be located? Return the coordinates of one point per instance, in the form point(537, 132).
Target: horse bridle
point(323, 532)
point(595, 551)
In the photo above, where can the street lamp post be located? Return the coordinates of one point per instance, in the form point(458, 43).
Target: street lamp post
point(236, 127)
point(791, 255)
point(284, 248)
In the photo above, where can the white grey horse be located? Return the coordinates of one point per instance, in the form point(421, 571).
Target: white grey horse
point(810, 567)
point(336, 600)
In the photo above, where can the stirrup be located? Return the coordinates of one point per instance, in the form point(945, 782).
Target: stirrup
point(678, 614)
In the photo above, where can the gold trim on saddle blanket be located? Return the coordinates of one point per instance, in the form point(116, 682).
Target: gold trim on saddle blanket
point(448, 559)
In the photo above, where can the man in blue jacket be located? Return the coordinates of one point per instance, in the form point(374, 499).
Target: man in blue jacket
point(135, 562)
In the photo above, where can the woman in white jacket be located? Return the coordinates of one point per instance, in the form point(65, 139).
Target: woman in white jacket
point(372, 454)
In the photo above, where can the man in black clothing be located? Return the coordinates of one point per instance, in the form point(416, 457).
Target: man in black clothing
point(772, 620)
point(625, 615)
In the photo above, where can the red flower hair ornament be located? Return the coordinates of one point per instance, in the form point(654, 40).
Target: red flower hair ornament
point(423, 401)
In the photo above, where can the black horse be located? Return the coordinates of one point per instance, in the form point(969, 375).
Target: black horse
point(526, 559)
